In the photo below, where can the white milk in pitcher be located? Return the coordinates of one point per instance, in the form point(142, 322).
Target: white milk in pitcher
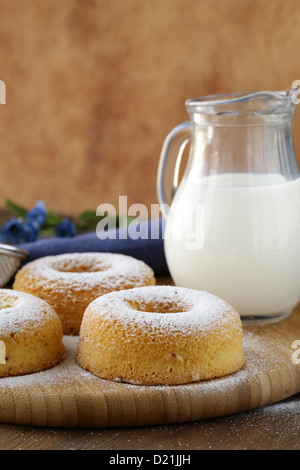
point(247, 248)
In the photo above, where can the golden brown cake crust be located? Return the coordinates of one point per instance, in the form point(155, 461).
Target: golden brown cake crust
point(69, 282)
point(30, 332)
point(160, 335)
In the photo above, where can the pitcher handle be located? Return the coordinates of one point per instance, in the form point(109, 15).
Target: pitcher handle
point(174, 144)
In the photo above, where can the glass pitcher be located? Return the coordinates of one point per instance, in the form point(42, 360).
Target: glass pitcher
point(233, 223)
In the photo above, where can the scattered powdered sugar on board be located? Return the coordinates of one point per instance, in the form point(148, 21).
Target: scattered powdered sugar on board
point(69, 372)
point(62, 373)
point(69, 378)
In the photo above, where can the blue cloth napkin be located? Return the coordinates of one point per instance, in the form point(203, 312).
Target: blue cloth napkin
point(144, 242)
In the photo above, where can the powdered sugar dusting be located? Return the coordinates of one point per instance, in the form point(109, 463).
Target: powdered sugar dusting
point(69, 379)
point(69, 373)
point(18, 310)
point(165, 307)
point(80, 270)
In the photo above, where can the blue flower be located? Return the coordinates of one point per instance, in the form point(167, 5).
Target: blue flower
point(65, 229)
point(12, 231)
point(31, 231)
point(37, 215)
point(16, 230)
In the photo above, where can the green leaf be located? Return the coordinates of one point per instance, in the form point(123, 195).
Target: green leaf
point(53, 219)
point(17, 210)
point(126, 220)
point(80, 227)
point(88, 215)
point(86, 221)
point(47, 231)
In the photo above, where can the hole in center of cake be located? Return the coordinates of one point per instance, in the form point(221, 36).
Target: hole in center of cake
point(81, 266)
point(158, 306)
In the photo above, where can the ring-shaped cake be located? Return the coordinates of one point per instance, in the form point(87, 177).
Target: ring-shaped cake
point(31, 338)
point(69, 282)
point(160, 335)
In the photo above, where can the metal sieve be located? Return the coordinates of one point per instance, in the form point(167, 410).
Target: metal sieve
point(10, 260)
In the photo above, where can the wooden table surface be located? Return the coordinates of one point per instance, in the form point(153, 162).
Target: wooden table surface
point(272, 427)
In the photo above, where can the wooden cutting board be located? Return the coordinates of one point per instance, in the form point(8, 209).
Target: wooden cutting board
point(67, 396)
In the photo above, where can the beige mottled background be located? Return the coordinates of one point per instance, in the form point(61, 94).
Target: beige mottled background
point(94, 86)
